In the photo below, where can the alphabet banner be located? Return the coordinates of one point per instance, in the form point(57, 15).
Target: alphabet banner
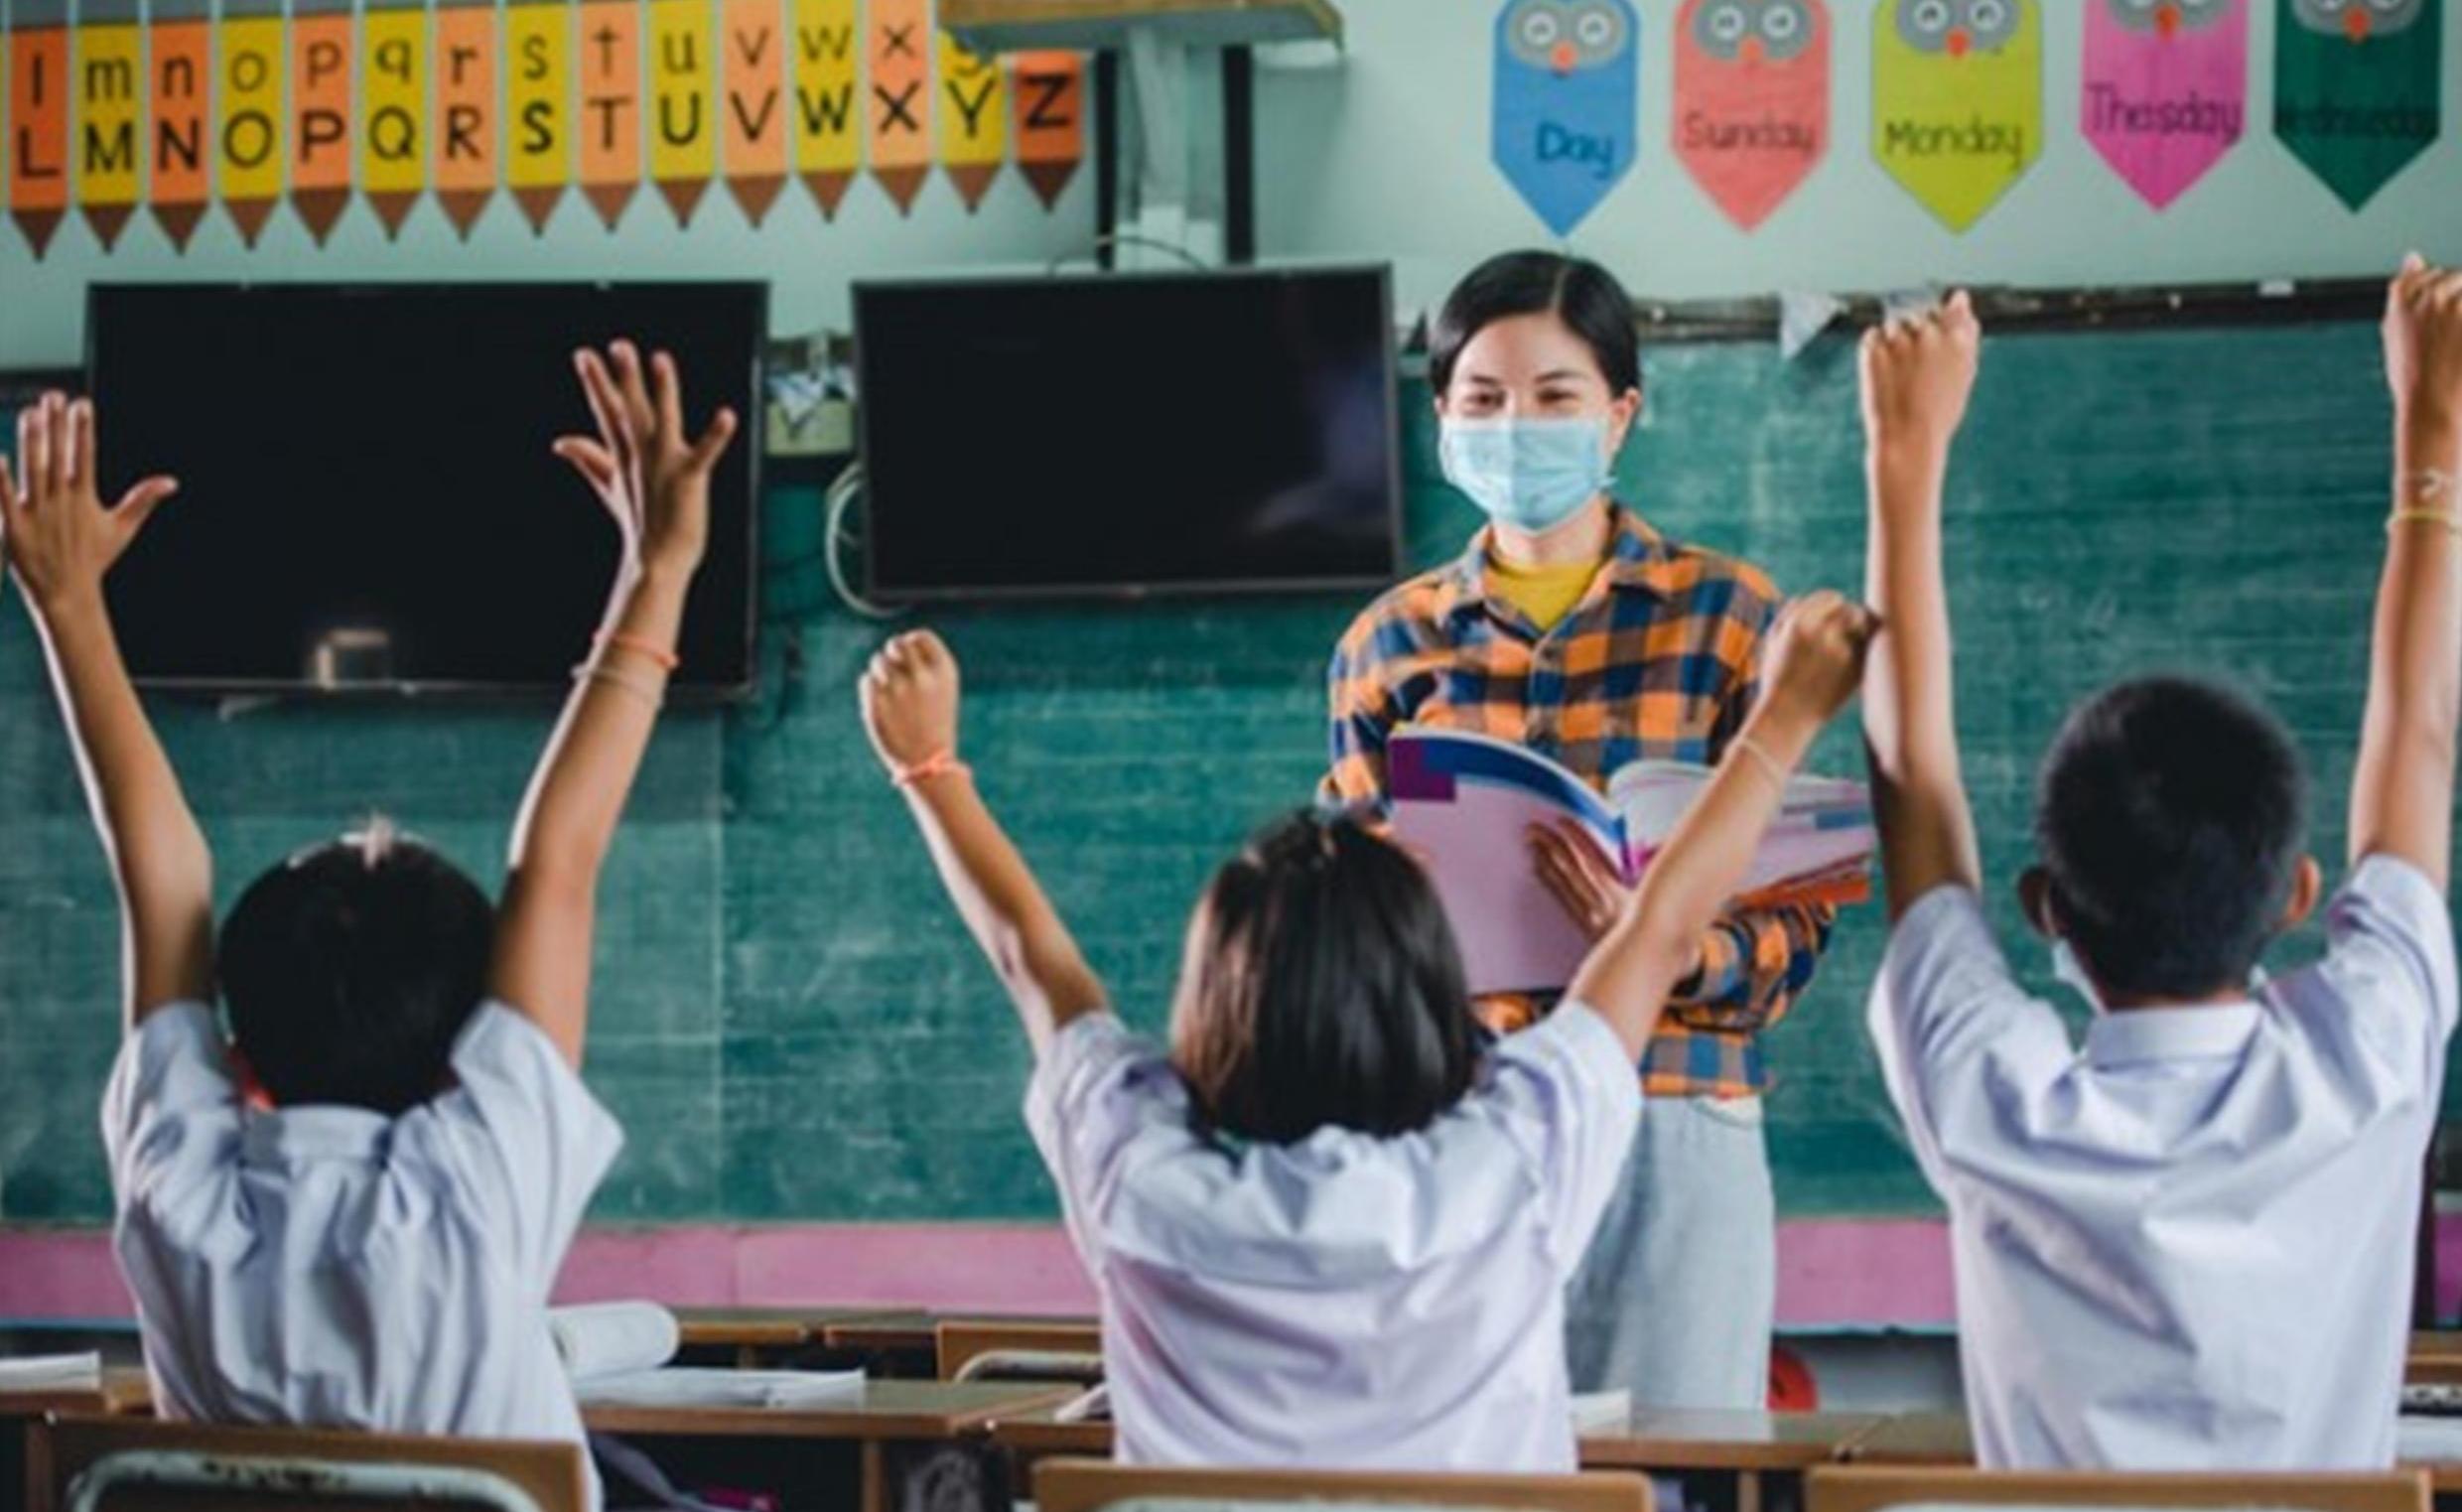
point(467, 98)
point(320, 113)
point(1752, 100)
point(754, 57)
point(1956, 101)
point(973, 120)
point(610, 106)
point(2165, 89)
point(2357, 85)
point(393, 77)
point(900, 132)
point(180, 42)
point(683, 141)
point(38, 119)
point(828, 149)
point(1567, 102)
point(1049, 90)
point(538, 100)
point(109, 107)
point(249, 136)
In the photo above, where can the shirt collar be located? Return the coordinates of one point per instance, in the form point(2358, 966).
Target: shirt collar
point(2136, 1036)
point(291, 1137)
point(1637, 558)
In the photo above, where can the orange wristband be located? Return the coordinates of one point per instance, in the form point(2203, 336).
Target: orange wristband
point(667, 660)
point(940, 764)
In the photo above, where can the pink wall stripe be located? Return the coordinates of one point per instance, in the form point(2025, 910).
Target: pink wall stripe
point(1831, 1272)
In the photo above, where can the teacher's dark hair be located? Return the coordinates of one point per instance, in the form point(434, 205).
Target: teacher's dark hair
point(1323, 986)
point(1577, 291)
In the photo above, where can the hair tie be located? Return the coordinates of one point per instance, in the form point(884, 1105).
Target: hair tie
point(940, 764)
point(641, 646)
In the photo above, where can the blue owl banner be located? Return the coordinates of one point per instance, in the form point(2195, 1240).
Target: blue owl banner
point(1957, 100)
point(1568, 102)
point(2356, 87)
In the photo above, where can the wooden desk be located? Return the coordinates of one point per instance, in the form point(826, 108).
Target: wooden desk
point(909, 1331)
point(889, 1412)
point(1746, 1444)
point(752, 1332)
point(1945, 1439)
point(124, 1390)
point(2435, 1360)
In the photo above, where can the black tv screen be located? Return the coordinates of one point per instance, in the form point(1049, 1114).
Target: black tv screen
point(1127, 433)
point(367, 499)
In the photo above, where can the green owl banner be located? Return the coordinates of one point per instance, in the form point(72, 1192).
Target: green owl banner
point(2356, 87)
point(1957, 100)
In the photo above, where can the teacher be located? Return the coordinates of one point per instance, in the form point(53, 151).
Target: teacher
point(1571, 626)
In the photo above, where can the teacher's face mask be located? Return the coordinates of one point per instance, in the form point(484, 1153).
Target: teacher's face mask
point(1531, 474)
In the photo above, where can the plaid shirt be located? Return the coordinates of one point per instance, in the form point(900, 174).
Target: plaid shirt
point(1657, 662)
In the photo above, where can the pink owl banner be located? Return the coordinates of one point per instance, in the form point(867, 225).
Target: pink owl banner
point(2165, 89)
point(1752, 100)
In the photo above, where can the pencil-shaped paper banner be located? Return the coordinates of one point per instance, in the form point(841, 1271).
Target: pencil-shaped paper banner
point(393, 137)
point(610, 119)
point(898, 125)
point(319, 114)
point(37, 118)
point(106, 51)
point(973, 120)
point(179, 78)
point(1050, 92)
point(753, 50)
point(248, 136)
point(466, 107)
point(538, 94)
point(683, 139)
point(828, 142)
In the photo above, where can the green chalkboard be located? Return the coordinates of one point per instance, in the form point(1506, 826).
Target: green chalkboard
point(791, 1024)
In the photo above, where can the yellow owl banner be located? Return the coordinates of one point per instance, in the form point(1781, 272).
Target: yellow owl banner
point(973, 120)
point(109, 107)
point(393, 84)
point(1957, 100)
point(829, 149)
point(538, 106)
point(248, 134)
point(683, 87)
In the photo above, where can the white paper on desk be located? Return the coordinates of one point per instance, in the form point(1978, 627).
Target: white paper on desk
point(2427, 1440)
point(612, 1337)
point(686, 1386)
point(51, 1372)
point(1596, 1411)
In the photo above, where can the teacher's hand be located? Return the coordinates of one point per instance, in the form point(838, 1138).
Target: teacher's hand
point(1582, 880)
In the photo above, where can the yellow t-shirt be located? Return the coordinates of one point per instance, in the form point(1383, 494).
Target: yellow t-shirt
point(1544, 595)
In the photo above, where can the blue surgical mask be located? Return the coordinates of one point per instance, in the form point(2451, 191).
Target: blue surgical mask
point(1528, 473)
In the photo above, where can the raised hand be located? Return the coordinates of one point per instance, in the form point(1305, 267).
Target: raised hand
point(56, 534)
point(910, 702)
point(1815, 661)
point(2423, 341)
point(651, 474)
point(1918, 372)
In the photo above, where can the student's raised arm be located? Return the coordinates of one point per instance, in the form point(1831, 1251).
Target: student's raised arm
point(1817, 661)
point(910, 707)
point(60, 541)
point(1917, 375)
point(653, 476)
point(2402, 790)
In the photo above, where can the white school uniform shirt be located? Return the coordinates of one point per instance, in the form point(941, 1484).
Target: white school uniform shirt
point(325, 1266)
point(2189, 1247)
point(1344, 1300)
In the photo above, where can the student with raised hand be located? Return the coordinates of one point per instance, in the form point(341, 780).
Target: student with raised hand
point(2190, 1246)
point(1328, 1229)
point(351, 1212)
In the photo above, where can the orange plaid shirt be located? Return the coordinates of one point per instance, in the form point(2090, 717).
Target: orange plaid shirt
point(1657, 661)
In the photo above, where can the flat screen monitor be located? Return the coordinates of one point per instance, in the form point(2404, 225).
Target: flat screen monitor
point(368, 501)
point(1128, 434)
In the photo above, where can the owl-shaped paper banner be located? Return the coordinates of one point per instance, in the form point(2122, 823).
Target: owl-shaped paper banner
point(2166, 88)
point(1752, 100)
point(1957, 100)
point(1568, 102)
point(2356, 86)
